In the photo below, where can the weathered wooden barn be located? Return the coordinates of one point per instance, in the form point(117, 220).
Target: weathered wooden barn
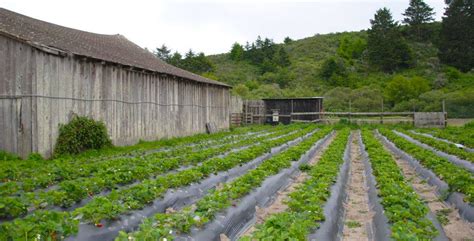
point(48, 73)
point(286, 110)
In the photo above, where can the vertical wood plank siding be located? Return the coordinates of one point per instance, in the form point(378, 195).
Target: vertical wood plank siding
point(134, 104)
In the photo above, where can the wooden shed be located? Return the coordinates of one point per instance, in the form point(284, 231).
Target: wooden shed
point(48, 73)
point(286, 110)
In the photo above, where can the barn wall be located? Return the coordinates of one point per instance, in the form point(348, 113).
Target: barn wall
point(133, 104)
point(236, 104)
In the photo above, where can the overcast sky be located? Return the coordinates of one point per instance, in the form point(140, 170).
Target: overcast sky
point(210, 26)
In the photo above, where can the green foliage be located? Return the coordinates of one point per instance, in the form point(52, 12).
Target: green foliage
point(351, 48)
point(334, 71)
point(196, 63)
point(387, 50)
point(364, 99)
point(443, 146)
point(457, 35)
point(403, 208)
point(402, 88)
point(237, 52)
point(305, 207)
point(5, 156)
point(80, 134)
point(458, 179)
point(241, 90)
point(163, 53)
point(217, 200)
point(43, 225)
point(416, 15)
point(35, 157)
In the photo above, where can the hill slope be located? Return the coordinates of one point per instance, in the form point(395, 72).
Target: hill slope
point(419, 88)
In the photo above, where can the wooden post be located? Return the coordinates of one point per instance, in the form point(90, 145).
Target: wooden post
point(350, 111)
point(291, 112)
point(381, 114)
point(445, 115)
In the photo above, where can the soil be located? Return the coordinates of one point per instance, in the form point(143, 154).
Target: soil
point(279, 203)
point(456, 228)
point(358, 215)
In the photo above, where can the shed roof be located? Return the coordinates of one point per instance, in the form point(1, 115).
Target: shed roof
point(110, 48)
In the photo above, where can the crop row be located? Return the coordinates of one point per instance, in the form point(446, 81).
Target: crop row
point(50, 175)
point(67, 168)
point(305, 207)
point(164, 225)
point(442, 146)
point(404, 209)
point(136, 197)
point(459, 135)
point(458, 179)
point(107, 177)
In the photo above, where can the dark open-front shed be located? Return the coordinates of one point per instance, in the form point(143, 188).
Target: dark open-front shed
point(293, 109)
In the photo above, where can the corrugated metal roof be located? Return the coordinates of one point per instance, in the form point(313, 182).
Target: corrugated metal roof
point(110, 48)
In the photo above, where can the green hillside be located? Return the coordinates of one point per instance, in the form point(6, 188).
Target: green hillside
point(412, 65)
point(423, 86)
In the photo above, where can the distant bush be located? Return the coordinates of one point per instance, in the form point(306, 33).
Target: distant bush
point(80, 134)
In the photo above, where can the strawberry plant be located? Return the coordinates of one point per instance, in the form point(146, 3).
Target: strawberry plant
point(219, 199)
point(442, 146)
point(458, 178)
point(305, 207)
point(404, 209)
point(137, 196)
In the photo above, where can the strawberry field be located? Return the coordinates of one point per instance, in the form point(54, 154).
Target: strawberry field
point(293, 182)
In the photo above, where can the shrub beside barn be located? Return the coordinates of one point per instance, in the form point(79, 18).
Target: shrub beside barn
point(50, 73)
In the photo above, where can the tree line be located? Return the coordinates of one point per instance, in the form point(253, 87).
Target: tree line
point(388, 50)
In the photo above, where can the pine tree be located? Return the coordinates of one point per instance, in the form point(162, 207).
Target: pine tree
point(163, 53)
point(176, 59)
point(417, 14)
point(282, 58)
point(237, 52)
point(457, 35)
point(387, 50)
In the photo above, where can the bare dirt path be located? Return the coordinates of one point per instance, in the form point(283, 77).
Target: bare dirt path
point(456, 228)
point(278, 204)
point(358, 216)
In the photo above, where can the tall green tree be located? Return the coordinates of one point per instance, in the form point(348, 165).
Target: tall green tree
point(237, 52)
point(282, 58)
point(163, 53)
point(387, 50)
point(416, 15)
point(457, 35)
point(175, 59)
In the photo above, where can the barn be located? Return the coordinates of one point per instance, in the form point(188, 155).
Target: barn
point(49, 73)
point(286, 110)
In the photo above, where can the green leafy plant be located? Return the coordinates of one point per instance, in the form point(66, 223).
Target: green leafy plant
point(80, 134)
point(305, 207)
point(442, 146)
point(403, 207)
point(458, 178)
point(219, 199)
